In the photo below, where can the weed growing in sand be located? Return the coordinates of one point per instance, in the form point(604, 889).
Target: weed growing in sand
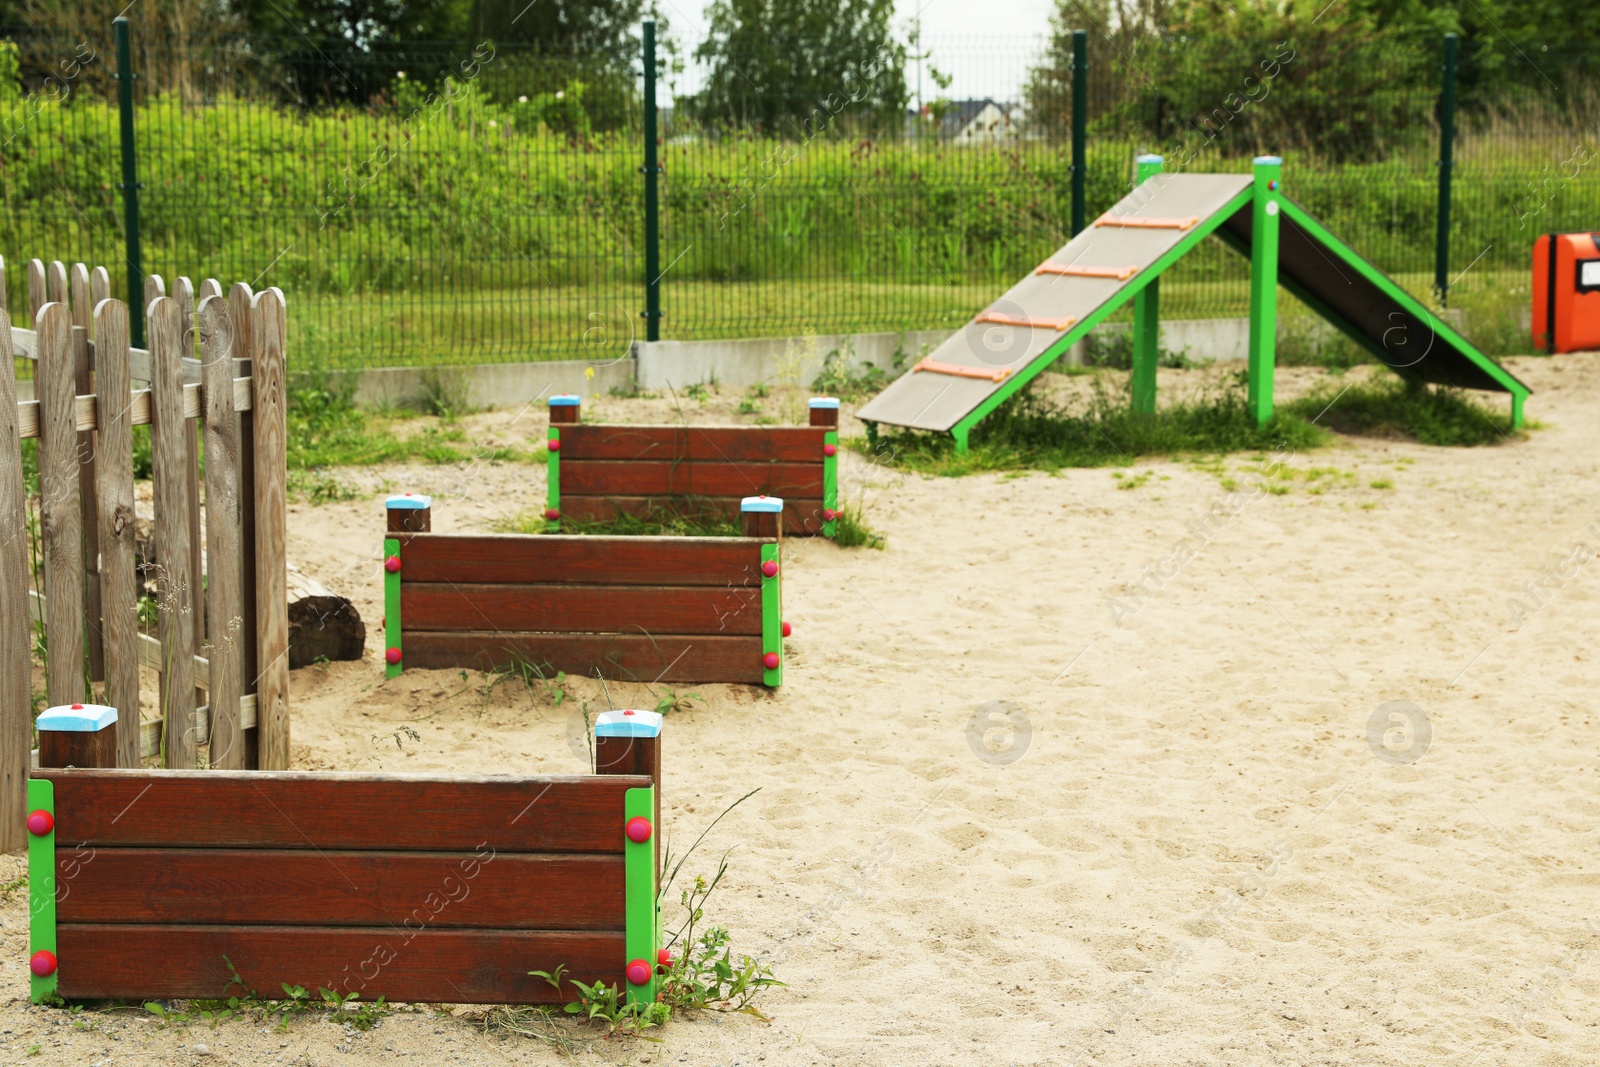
point(1388, 407)
point(704, 974)
point(670, 701)
point(851, 530)
point(248, 1004)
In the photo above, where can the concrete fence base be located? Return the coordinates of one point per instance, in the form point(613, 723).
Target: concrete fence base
point(658, 366)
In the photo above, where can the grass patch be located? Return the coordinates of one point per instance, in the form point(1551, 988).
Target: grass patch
point(851, 530)
point(1033, 431)
point(1388, 407)
point(659, 522)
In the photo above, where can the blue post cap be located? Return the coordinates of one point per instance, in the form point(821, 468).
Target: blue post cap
point(565, 400)
point(628, 723)
point(1268, 161)
point(408, 502)
point(825, 402)
point(762, 504)
point(1149, 157)
point(77, 719)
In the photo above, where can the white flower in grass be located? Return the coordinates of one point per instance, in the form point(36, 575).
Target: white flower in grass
point(400, 74)
point(523, 99)
point(560, 93)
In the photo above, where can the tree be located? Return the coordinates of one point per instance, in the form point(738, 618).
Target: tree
point(800, 67)
point(606, 27)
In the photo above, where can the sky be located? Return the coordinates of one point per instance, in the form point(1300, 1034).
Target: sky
point(985, 45)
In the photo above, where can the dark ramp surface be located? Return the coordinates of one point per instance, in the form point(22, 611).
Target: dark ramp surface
point(1368, 307)
point(927, 400)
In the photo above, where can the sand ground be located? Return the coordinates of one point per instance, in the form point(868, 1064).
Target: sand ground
point(1192, 834)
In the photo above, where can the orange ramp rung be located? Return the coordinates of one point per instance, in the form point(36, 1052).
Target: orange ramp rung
point(999, 374)
point(1058, 325)
point(1121, 274)
point(1134, 222)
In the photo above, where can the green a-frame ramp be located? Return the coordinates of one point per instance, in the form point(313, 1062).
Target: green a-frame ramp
point(1121, 258)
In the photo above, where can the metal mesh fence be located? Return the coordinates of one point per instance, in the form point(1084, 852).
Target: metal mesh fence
point(460, 203)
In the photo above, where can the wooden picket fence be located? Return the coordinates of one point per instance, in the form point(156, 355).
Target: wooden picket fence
point(222, 605)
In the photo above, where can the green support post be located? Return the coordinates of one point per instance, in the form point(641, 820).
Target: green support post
point(771, 616)
point(642, 911)
point(41, 889)
point(392, 652)
point(830, 483)
point(408, 513)
point(552, 507)
point(1447, 137)
point(1080, 120)
point(1265, 207)
point(652, 201)
point(565, 409)
point(130, 183)
point(1146, 320)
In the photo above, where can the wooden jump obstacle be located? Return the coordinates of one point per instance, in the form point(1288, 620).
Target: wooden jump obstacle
point(223, 632)
point(165, 884)
point(672, 609)
point(599, 471)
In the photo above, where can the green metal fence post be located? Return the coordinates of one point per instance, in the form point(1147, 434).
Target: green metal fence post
point(1447, 137)
point(1264, 213)
point(652, 203)
point(1080, 118)
point(1146, 320)
point(130, 184)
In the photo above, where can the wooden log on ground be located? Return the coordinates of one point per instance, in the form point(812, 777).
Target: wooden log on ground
point(322, 624)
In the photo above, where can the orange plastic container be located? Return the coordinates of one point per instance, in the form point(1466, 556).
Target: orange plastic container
point(1566, 292)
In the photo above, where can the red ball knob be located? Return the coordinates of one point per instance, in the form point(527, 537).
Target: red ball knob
point(552, 514)
point(787, 629)
point(638, 829)
point(43, 963)
point(828, 514)
point(638, 972)
point(770, 661)
point(391, 564)
point(555, 445)
point(770, 568)
point(392, 656)
point(829, 450)
point(40, 822)
point(664, 957)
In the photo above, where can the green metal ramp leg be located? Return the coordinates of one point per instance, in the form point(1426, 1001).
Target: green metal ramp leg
point(1265, 209)
point(1146, 321)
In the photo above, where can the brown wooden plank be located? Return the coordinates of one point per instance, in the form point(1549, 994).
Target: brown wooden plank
point(336, 887)
point(61, 516)
point(529, 559)
point(82, 326)
point(269, 337)
point(55, 275)
point(38, 294)
point(183, 293)
point(119, 593)
point(224, 564)
point(239, 308)
point(802, 518)
point(432, 966)
point(175, 596)
point(721, 444)
point(316, 809)
point(603, 609)
point(16, 638)
point(643, 478)
point(99, 286)
point(628, 657)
